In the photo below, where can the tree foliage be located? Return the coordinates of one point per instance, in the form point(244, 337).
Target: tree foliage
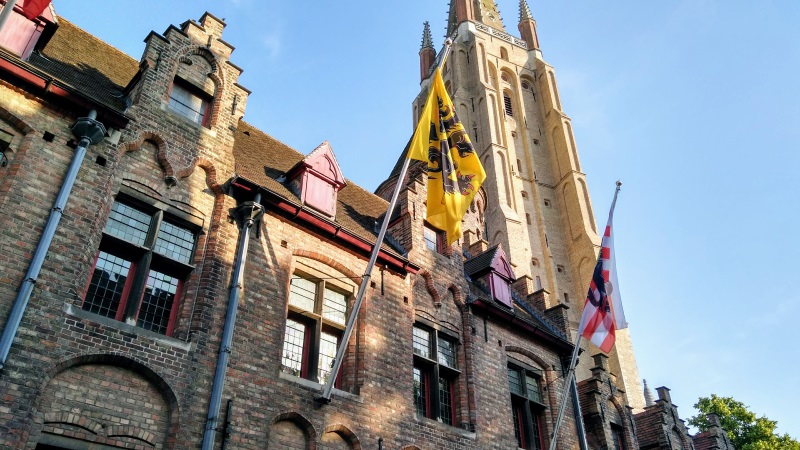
point(745, 430)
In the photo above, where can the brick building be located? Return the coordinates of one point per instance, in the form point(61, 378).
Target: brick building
point(174, 277)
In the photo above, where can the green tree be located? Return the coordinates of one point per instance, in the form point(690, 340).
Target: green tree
point(745, 430)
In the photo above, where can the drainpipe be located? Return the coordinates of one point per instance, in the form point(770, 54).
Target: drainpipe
point(88, 131)
point(245, 215)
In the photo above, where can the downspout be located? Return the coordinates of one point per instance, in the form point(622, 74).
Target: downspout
point(245, 215)
point(88, 131)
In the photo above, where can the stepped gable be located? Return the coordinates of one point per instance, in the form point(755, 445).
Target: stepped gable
point(264, 160)
point(85, 64)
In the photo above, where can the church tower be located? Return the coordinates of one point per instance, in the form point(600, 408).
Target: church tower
point(537, 200)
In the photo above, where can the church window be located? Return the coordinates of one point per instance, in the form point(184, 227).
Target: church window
point(538, 283)
point(504, 53)
point(189, 102)
point(143, 259)
point(435, 373)
point(547, 203)
point(508, 106)
point(314, 327)
point(566, 297)
point(528, 218)
point(527, 406)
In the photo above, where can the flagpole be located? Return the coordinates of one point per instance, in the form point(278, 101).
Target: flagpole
point(6, 12)
point(567, 381)
point(348, 331)
point(571, 370)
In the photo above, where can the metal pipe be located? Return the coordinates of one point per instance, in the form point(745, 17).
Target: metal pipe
point(247, 214)
point(88, 131)
point(569, 380)
point(7, 10)
point(576, 408)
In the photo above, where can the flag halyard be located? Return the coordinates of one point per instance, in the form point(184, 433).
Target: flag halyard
point(602, 311)
point(455, 172)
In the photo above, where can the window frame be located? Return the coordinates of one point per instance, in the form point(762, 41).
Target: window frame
point(440, 245)
point(316, 324)
point(527, 412)
point(144, 259)
point(190, 89)
point(436, 374)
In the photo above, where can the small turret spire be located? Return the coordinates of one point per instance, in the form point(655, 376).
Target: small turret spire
point(527, 26)
point(648, 394)
point(524, 11)
point(427, 54)
point(427, 40)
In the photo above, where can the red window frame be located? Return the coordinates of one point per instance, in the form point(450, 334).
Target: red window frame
point(141, 259)
point(315, 324)
point(433, 371)
point(206, 100)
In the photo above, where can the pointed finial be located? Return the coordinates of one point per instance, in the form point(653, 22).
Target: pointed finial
point(648, 395)
point(427, 40)
point(524, 11)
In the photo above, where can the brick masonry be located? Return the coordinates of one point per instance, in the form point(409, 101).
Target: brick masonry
point(74, 378)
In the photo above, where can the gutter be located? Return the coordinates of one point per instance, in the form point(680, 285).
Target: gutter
point(298, 212)
point(51, 85)
point(536, 331)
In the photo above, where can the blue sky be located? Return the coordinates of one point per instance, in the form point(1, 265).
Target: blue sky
point(693, 104)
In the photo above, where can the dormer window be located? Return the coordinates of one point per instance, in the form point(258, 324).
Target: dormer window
point(317, 180)
point(492, 268)
point(189, 102)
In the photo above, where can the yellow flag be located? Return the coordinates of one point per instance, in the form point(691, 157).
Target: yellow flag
point(454, 171)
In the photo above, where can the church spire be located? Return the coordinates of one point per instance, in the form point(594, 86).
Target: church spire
point(648, 394)
point(524, 11)
point(427, 40)
point(527, 26)
point(460, 11)
point(427, 54)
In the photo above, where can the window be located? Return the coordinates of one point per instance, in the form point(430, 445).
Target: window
point(189, 102)
point(138, 275)
point(527, 406)
point(507, 102)
point(435, 373)
point(5, 142)
point(314, 327)
point(617, 435)
point(434, 239)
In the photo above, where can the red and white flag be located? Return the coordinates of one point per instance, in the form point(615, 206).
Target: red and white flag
point(602, 312)
point(34, 8)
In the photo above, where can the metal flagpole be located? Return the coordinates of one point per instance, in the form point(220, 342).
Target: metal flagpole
point(7, 9)
point(348, 331)
point(571, 371)
point(563, 407)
